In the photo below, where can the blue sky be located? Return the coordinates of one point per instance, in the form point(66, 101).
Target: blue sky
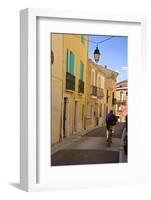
point(113, 53)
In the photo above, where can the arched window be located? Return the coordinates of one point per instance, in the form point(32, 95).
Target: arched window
point(92, 77)
point(99, 81)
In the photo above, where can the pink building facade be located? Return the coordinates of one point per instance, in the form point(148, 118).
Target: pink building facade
point(122, 100)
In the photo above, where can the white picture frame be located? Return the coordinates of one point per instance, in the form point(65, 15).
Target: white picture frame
point(29, 111)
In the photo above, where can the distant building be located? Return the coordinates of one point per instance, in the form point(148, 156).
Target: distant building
point(121, 100)
point(110, 88)
point(100, 95)
point(95, 98)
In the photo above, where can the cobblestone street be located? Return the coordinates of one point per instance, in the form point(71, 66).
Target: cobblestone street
point(89, 149)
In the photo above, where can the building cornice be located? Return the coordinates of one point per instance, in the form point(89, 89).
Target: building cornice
point(107, 72)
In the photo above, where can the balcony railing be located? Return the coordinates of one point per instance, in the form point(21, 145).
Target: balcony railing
point(70, 81)
point(100, 92)
point(81, 86)
point(93, 90)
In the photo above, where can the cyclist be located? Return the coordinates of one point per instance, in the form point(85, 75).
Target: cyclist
point(110, 122)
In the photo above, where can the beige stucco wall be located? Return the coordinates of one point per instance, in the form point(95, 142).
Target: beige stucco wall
point(94, 101)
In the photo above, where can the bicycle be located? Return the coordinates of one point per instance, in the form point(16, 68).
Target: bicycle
point(109, 139)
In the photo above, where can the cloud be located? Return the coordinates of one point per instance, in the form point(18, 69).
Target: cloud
point(117, 71)
point(124, 68)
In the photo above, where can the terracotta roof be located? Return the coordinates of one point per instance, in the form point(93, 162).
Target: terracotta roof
point(123, 83)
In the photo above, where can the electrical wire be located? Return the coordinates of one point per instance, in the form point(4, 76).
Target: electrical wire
point(84, 38)
point(105, 39)
point(93, 41)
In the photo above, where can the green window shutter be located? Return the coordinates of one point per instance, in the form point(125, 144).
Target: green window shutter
point(72, 62)
point(82, 39)
point(68, 61)
point(81, 70)
point(73, 69)
point(70, 65)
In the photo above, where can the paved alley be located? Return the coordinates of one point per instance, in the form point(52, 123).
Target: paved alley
point(88, 149)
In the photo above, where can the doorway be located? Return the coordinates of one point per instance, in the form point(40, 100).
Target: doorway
point(96, 114)
point(83, 122)
point(65, 117)
point(76, 116)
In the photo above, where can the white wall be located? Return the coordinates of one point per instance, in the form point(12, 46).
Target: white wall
point(9, 96)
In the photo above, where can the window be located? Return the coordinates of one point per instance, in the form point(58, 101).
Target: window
point(119, 109)
point(113, 100)
point(99, 81)
point(70, 62)
point(121, 96)
point(102, 82)
point(83, 39)
point(92, 77)
point(107, 96)
point(81, 71)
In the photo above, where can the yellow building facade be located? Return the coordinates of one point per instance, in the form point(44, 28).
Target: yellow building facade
point(101, 87)
point(75, 53)
point(70, 53)
point(110, 89)
point(95, 96)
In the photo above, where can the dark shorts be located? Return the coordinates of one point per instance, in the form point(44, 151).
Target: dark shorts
point(108, 126)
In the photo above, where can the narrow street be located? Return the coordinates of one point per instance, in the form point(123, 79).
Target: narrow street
point(89, 149)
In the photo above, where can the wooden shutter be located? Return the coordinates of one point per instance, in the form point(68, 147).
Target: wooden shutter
point(81, 70)
point(83, 39)
point(68, 61)
point(72, 62)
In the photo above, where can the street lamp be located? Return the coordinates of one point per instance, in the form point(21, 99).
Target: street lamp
point(96, 55)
